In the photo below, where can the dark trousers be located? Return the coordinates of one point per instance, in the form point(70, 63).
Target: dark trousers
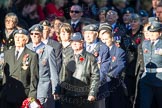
point(5, 104)
point(149, 94)
point(117, 98)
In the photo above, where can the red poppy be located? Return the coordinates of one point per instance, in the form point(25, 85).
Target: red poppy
point(138, 41)
point(81, 59)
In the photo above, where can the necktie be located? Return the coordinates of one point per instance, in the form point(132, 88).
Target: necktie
point(88, 48)
point(73, 25)
point(17, 54)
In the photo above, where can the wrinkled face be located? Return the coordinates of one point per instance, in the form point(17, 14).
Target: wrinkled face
point(126, 18)
point(135, 24)
point(106, 38)
point(9, 23)
point(111, 17)
point(20, 40)
point(36, 37)
point(64, 35)
point(77, 45)
point(159, 13)
point(75, 13)
point(90, 36)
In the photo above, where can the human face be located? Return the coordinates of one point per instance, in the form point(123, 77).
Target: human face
point(46, 31)
point(9, 23)
point(100, 33)
point(90, 36)
point(106, 38)
point(159, 13)
point(154, 3)
point(75, 13)
point(77, 45)
point(126, 18)
point(147, 34)
point(20, 40)
point(102, 17)
point(112, 17)
point(154, 36)
point(57, 25)
point(135, 24)
point(64, 35)
point(36, 37)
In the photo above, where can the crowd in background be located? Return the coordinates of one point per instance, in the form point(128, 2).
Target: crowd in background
point(126, 21)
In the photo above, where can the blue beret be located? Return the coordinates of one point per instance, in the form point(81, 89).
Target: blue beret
point(155, 26)
point(21, 31)
point(76, 37)
point(143, 13)
point(90, 27)
point(128, 10)
point(36, 27)
point(45, 23)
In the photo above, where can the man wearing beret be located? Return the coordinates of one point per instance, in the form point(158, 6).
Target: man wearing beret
point(79, 79)
point(151, 79)
point(20, 72)
point(48, 74)
point(46, 40)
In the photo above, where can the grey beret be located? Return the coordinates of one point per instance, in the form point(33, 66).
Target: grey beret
point(155, 26)
point(76, 37)
point(21, 31)
point(90, 27)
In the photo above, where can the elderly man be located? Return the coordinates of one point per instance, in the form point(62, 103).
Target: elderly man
point(20, 72)
point(79, 77)
point(48, 75)
point(151, 79)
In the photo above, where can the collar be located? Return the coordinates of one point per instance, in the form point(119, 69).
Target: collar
point(45, 41)
point(75, 22)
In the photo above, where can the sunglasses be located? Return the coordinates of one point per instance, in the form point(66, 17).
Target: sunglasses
point(74, 11)
point(34, 33)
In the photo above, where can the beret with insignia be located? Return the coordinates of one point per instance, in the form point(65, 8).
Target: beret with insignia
point(45, 23)
point(128, 10)
point(90, 27)
point(143, 13)
point(155, 26)
point(36, 27)
point(151, 19)
point(76, 37)
point(21, 31)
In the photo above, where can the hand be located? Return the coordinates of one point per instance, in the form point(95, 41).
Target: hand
point(56, 97)
point(91, 98)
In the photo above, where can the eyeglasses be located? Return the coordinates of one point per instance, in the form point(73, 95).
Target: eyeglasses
point(34, 33)
point(75, 11)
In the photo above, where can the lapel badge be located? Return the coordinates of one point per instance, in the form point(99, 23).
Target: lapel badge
point(145, 50)
point(113, 58)
point(44, 62)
